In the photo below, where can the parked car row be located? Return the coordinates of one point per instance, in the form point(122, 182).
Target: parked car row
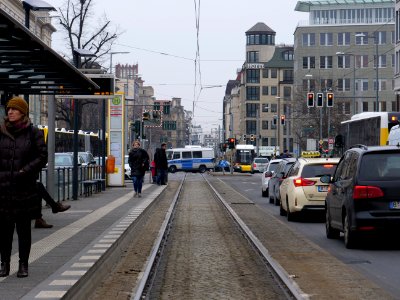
point(358, 193)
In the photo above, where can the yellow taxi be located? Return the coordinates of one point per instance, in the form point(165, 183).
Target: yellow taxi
point(302, 190)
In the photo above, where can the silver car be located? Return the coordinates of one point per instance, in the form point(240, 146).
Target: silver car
point(259, 164)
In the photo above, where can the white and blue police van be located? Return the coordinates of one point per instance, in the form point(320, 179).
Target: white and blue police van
point(190, 158)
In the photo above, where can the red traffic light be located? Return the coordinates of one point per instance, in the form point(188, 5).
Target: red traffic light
point(283, 119)
point(310, 99)
point(329, 97)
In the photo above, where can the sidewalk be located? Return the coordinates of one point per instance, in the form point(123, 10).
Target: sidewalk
point(60, 256)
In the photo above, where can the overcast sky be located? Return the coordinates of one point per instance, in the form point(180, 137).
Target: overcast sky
point(170, 27)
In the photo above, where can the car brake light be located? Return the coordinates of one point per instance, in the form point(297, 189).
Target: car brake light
point(363, 191)
point(254, 165)
point(303, 182)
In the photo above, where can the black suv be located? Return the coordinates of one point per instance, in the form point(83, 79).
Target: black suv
point(364, 193)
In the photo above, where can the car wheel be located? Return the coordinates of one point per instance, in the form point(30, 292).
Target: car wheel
point(271, 199)
point(277, 200)
point(289, 215)
point(172, 169)
point(331, 233)
point(350, 237)
point(264, 193)
point(282, 212)
point(202, 169)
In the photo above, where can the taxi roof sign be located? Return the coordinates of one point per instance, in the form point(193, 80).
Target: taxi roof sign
point(310, 154)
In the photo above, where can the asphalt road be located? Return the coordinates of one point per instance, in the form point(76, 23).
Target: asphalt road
point(378, 260)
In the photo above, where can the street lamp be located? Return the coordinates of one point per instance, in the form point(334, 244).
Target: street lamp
point(376, 60)
point(111, 55)
point(354, 78)
point(278, 141)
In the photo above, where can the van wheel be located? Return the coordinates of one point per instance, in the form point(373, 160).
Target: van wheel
point(331, 233)
point(172, 169)
point(202, 169)
point(350, 237)
point(282, 212)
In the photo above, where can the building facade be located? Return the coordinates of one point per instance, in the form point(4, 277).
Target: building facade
point(345, 48)
point(264, 94)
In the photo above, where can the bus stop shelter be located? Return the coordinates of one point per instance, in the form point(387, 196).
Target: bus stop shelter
point(30, 67)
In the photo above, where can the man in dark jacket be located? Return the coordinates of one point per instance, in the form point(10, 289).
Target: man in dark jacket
point(23, 153)
point(138, 159)
point(160, 158)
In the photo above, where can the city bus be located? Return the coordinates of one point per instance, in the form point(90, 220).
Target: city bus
point(64, 140)
point(242, 157)
point(190, 158)
point(368, 128)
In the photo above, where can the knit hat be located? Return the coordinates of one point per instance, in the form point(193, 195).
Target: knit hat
point(18, 103)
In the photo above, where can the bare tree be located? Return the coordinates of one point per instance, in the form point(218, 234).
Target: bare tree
point(75, 21)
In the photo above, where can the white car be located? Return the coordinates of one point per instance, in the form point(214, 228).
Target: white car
point(267, 174)
point(127, 168)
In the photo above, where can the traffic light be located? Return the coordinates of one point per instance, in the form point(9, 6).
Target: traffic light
point(329, 102)
point(310, 99)
point(320, 99)
point(283, 119)
point(275, 120)
point(146, 116)
point(223, 146)
point(231, 143)
point(252, 137)
point(244, 137)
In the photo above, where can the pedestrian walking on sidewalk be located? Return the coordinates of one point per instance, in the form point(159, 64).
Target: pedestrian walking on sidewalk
point(23, 154)
point(56, 207)
point(139, 163)
point(160, 157)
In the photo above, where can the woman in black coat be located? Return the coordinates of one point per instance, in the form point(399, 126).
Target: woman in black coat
point(23, 154)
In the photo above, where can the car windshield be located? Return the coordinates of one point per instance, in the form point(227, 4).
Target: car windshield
point(310, 171)
point(272, 166)
point(380, 166)
point(261, 160)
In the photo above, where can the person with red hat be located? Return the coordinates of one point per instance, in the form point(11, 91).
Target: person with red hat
point(23, 154)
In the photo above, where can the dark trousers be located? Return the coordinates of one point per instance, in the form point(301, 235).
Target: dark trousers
point(23, 226)
point(161, 176)
point(137, 183)
point(46, 196)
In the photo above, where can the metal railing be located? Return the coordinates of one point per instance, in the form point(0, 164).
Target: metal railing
point(63, 180)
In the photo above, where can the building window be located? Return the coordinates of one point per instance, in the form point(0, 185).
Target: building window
point(264, 142)
point(274, 108)
point(265, 90)
point(362, 85)
point(361, 61)
point(381, 61)
point(251, 110)
point(253, 76)
point(274, 73)
point(169, 125)
point(308, 39)
point(264, 125)
point(265, 73)
point(252, 56)
point(383, 106)
point(253, 93)
point(326, 84)
point(273, 142)
point(343, 85)
point(251, 127)
point(325, 62)
point(381, 37)
point(260, 39)
point(309, 62)
point(287, 92)
point(361, 38)
point(343, 61)
point(274, 91)
point(326, 39)
point(288, 75)
point(365, 106)
point(166, 109)
point(265, 107)
point(156, 106)
point(288, 55)
point(343, 38)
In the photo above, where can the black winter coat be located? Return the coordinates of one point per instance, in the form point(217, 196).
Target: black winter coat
point(20, 149)
point(160, 158)
point(136, 160)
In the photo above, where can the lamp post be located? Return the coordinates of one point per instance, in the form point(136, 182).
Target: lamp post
point(278, 142)
point(111, 55)
point(354, 78)
point(376, 60)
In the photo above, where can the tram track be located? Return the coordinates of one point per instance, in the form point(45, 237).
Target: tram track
point(276, 284)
